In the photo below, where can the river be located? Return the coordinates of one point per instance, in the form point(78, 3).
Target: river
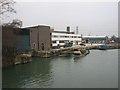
point(99, 69)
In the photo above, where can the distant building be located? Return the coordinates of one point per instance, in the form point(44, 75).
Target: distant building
point(61, 38)
point(94, 39)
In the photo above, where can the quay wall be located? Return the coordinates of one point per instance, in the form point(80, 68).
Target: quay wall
point(54, 52)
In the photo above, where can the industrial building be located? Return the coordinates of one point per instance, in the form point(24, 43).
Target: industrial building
point(37, 37)
point(62, 38)
point(42, 38)
point(20, 40)
point(94, 39)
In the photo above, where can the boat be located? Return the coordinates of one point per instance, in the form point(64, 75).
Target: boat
point(103, 47)
point(82, 52)
point(77, 52)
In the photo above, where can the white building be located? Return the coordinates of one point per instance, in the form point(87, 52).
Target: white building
point(61, 38)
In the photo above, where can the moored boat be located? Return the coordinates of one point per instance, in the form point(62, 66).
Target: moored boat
point(77, 52)
point(82, 52)
point(103, 47)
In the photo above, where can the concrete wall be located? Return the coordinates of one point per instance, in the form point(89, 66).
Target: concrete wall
point(8, 46)
point(40, 38)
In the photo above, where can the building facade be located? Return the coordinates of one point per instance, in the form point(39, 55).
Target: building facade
point(34, 38)
point(40, 37)
point(62, 38)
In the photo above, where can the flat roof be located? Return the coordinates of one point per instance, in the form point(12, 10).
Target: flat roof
point(34, 26)
point(62, 32)
point(94, 36)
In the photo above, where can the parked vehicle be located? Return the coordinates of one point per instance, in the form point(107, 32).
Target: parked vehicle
point(82, 44)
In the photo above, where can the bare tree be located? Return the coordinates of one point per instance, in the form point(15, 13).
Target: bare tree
point(6, 6)
point(16, 23)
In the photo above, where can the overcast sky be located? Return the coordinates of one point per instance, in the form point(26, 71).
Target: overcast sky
point(92, 18)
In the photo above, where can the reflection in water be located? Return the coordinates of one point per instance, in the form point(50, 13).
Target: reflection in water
point(35, 74)
point(78, 58)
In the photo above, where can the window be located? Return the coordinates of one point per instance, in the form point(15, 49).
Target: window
point(75, 36)
point(54, 36)
point(62, 36)
point(34, 46)
point(66, 36)
point(53, 41)
point(61, 41)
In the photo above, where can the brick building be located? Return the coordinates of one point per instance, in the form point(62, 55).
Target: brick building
point(40, 38)
point(18, 40)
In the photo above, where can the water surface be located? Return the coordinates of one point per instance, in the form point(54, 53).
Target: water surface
point(99, 69)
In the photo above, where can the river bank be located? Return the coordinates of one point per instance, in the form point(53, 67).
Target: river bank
point(26, 57)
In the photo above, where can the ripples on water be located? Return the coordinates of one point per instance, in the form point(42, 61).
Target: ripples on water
point(99, 69)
